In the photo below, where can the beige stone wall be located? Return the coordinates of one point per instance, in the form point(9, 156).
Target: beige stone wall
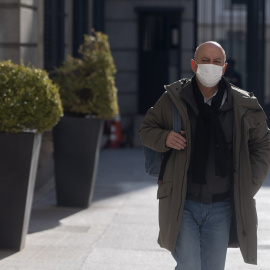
point(21, 22)
point(22, 30)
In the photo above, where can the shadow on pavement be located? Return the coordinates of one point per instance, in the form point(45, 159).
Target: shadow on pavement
point(121, 171)
point(46, 215)
point(6, 253)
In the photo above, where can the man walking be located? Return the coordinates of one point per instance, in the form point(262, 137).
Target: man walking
point(218, 163)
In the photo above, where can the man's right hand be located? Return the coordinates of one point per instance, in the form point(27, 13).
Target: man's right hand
point(176, 141)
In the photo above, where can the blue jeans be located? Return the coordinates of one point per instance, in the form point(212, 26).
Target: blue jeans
point(203, 238)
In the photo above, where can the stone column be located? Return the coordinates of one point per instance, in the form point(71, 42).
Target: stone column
point(20, 26)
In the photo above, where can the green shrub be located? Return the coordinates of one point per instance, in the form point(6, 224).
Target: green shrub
point(87, 85)
point(28, 99)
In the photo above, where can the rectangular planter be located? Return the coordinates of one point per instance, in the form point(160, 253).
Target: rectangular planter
point(19, 159)
point(76, 153)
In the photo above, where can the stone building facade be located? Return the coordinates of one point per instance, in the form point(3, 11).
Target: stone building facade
point(152, 41)
point(21, 31)
point(30, 33)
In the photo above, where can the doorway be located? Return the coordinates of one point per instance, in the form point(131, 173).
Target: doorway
point(159, 52)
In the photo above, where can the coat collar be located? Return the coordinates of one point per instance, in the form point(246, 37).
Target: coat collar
point(242, 100)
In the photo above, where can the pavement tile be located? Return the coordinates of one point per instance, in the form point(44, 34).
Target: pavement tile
point(44, 239)
point(235, 262)
point(118, 259)
point(129, 237)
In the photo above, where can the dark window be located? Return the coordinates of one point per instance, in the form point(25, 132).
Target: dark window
point(159, 52)
point(239, 1)
point(98, 15)
point(54, 20)
point(80, 24)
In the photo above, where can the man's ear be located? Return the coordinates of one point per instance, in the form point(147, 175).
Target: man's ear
point(224, 68)
point(193, 65)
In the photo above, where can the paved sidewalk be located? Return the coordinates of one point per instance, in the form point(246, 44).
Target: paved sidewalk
point(119, 230)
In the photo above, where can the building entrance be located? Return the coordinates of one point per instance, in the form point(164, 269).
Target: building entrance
point(159, 52)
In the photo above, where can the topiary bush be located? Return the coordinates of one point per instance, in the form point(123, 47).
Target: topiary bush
point(87, 85)
point(28, 99)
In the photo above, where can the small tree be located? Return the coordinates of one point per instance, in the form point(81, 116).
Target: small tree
point(87, 85)
point(28, 99)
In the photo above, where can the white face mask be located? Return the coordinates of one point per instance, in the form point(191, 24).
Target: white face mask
point(208, 74)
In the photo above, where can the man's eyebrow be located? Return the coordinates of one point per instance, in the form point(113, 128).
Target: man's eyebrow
point(205, 57)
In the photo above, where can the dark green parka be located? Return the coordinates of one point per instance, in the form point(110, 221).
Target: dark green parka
point(251, 154)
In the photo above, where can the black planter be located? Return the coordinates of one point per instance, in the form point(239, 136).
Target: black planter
point(76, 153)
point(18, 166)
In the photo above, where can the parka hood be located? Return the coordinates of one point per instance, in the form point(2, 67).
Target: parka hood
point(175, 89)
point(244, 99)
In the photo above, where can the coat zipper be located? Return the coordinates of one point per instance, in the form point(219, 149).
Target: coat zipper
point(183, 197)
point(239, 189)
point(185, 176)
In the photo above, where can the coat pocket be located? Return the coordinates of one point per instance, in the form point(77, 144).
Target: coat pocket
point(164, 190)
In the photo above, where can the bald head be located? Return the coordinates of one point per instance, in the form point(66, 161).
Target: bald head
point(209, 52)
point(210, 49)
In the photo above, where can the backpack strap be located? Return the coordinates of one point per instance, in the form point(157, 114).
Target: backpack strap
point(176, 119)
point(176, 128)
